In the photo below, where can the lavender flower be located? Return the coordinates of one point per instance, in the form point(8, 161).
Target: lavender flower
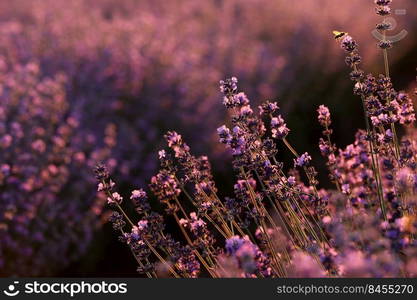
point(164, 186)
point(404, 109)
point(279, 128)
point(140, 201)
point(303, 160)
point(268, 108)
point(383, 10)
point(224, 134)
point(228, 86)
point(115, 198)
point(348, 44)
point(324, 116)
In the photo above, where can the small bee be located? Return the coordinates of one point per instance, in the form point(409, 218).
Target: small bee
point(339, 34)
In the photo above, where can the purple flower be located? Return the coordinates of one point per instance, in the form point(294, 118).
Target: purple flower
point(140, 201)
point(346, 189)
point(324, 116)
point(115, 198)
point(228, 86)
point(268, 108)
point(241, 99)
point(246, 111)
point(188, 263)
point(224, 134)
point(161, 154)
point(279, 128)
point(176, 143)
point(164, 186)
point(117, 221)
point(382, 119)
point(348, 44)
point(238, 100)
point(173, 139)
point(302, 161)
point(291, 180)
point(233, 244)
point(324, 147)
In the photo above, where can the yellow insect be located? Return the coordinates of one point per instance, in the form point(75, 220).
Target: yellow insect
point(339, 34)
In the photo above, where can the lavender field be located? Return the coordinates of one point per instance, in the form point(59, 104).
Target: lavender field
point(217, 138)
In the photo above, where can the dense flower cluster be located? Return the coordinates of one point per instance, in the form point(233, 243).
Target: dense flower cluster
point(279, 223)
point(362, 228)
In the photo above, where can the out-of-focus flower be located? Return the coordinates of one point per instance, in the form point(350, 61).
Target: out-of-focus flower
point(48, 211)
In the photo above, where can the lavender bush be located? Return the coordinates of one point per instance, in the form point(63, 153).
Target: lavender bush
point(47, 213)
point(279, 222)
